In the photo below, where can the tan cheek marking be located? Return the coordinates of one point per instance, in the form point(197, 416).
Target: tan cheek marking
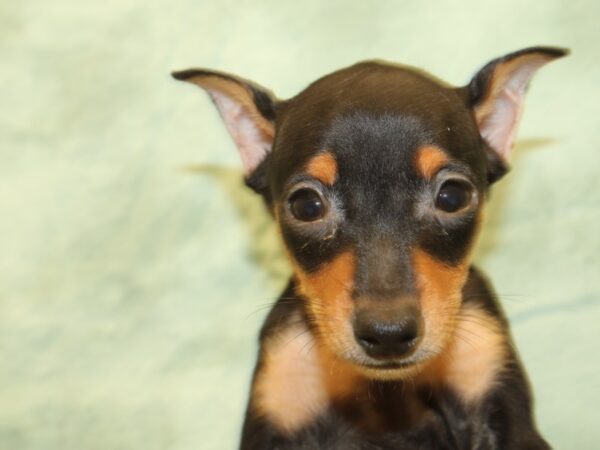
point(323, 167)
point(429, 160)
point(329, 303)
point(440, 291)
point(299, 379)
point(332, 280)
point(475, 356)
point(440, 297)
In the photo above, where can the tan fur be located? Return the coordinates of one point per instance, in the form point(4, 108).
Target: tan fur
point(329, 303)
point(500, 78)
point(238, 94)
point(498, 120)
point(323, 167)
point(301, 373)
point(429, 160)
point(299, 378)
point(440, 293)
point(474, 358)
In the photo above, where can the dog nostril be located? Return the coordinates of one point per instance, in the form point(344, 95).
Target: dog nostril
point(380, 339)
point(367, 341)
point(409, 332)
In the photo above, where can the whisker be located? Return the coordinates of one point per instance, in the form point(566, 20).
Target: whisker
point(466, 340)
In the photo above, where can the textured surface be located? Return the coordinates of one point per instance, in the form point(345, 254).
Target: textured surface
point(136, 268)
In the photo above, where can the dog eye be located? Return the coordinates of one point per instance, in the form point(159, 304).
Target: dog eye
point(307, 205)
point(453, 196)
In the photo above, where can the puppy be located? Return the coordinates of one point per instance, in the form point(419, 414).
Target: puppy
point(386, 336)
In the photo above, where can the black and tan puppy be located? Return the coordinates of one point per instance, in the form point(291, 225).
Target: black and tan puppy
point(386, 337)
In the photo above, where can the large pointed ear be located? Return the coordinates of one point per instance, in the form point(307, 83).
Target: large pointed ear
point(497, 91)
point(247, 109)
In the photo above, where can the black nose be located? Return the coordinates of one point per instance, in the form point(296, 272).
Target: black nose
point(387, 339)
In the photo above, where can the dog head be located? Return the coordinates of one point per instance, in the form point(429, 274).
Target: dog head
point(377, 175)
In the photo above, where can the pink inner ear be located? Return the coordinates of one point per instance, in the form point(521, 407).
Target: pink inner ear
point(499, 126)
point(252, 140)
point(499, 114)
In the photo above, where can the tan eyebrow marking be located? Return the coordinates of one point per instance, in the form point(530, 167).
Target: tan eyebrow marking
point(429, 160)
point(323, 167)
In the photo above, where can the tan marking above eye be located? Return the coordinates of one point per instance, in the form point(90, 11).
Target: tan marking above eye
point(429, 160)
point(323, 167)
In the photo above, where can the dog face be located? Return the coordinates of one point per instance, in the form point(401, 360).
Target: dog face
point(377, 175)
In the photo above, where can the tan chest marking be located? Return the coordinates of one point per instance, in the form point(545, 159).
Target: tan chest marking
point(298, 379)
point(475, 357)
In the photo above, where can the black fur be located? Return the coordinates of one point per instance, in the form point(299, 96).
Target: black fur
point(373, 117)
point(502, 421)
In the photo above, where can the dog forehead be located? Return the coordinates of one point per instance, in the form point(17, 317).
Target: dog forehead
point(373, 139)
point(369, 114)
point(377, 88)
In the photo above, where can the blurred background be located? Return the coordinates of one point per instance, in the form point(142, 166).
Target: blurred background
point(136, 269)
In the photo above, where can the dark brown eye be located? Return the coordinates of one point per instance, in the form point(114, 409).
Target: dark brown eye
point(453, 196)
point(307, 205)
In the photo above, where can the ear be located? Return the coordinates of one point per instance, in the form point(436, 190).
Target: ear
point(247, 110)
point(496, 96)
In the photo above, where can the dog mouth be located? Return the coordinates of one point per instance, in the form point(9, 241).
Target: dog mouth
point(389, 365)
point(388, 369)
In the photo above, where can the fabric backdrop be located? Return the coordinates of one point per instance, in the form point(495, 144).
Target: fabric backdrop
point(135, 268)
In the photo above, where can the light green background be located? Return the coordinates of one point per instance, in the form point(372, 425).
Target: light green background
point(135, 268)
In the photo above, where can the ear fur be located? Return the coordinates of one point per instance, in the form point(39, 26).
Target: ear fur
point(497, 92)
point(247, 109)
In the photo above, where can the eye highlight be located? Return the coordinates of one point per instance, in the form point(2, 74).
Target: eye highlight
point(307, 205)
point(453, 196)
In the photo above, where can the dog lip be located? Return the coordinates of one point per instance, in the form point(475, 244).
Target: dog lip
point(389, 365)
